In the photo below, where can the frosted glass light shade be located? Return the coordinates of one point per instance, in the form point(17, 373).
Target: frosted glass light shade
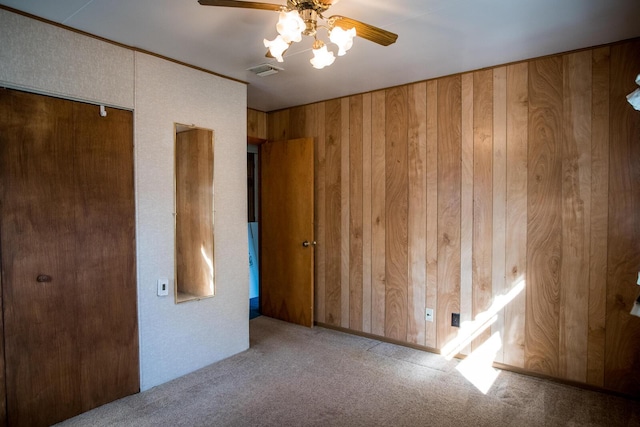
point(276, 47)
point(342, 38)
point(322, 57)
point(290, 26)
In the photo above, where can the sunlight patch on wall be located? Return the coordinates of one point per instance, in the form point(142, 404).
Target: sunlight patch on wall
point(470, 330)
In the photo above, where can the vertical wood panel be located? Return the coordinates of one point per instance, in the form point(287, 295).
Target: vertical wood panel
point(417, 221)
point(599, 216)
point(449, 180)
point(366, 213)
point(431, 328)
point(396, 194)
point(576, 212)
point(278, 129)
point(622, 358)
point(315, 127)
point(378, 213)
point(355, 213)
point(544, 227)
point(297, 123)
point(466, 205)
point(345, 209)
point(498, 255)
point(333, 218)
point(516, 212)
point(482, 195)
point(256, 124)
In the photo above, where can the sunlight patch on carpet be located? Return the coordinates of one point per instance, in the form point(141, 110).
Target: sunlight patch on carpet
point(478, 368)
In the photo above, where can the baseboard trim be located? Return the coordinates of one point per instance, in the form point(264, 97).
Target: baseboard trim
point(496, 365)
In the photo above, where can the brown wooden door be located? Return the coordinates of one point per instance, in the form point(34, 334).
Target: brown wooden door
point(68, 257)
point(286, 221)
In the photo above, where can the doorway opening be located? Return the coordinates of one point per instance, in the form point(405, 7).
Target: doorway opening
point(252, 231)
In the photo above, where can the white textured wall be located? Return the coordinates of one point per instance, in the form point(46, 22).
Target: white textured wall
point(174, 339)
point(177, 339)
point(47, 59)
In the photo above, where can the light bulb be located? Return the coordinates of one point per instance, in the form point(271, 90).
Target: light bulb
point(290, 26)
point(321, 56)
point(342, 38)
point(276, 47)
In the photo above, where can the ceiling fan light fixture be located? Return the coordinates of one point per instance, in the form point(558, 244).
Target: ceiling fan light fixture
point(342, 38)
point(321, 56)
point(290, 26)
point(276, 47)
point(300, 17)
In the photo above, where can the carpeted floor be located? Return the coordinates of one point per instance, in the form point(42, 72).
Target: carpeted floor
point(294, 376)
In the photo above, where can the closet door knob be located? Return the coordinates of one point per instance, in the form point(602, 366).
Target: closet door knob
point(42, 278)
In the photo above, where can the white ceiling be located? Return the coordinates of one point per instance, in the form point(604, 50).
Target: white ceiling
point(435, 38)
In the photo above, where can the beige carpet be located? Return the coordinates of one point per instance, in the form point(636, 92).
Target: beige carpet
point(293, 376)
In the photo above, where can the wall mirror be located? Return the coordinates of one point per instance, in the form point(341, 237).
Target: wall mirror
point(194, 232)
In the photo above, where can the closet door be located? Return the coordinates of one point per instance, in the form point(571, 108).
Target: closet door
point(68, 260)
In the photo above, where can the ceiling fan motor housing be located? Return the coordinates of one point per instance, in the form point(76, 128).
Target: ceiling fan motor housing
point(309, 11)
point(309, 16)
point(315, 5)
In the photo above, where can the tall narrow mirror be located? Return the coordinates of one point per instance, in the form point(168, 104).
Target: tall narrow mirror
point(195, 263)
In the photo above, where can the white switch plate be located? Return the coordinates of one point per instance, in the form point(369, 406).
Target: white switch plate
point(163, 287)
point(428, 315)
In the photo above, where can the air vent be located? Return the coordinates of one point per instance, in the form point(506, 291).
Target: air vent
point(263, 70)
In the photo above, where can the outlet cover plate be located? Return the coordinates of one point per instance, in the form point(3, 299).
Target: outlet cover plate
point(428, 315)
point(455, 320)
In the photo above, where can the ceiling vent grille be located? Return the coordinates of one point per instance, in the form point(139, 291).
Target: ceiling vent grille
point(263, 70)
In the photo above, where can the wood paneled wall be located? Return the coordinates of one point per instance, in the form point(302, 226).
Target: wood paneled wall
point(509, 195)
point(256, 125)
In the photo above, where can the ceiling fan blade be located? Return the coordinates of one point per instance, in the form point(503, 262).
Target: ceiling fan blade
point(243, 4)
point(366, 31)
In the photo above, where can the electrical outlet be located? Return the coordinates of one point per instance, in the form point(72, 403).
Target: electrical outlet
point(163, 287)
point(428, 316)
point(455, 320)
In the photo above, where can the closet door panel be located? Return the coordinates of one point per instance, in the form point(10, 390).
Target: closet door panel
point(105, 254)
point(38, 250)
point(68, 263)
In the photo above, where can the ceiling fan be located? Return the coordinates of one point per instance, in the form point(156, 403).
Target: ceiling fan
point(300, 17)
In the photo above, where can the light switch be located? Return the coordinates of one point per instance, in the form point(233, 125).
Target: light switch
point(163, 287)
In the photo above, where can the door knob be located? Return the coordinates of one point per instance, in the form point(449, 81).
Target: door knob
point(43, 278)
point(306, 243)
